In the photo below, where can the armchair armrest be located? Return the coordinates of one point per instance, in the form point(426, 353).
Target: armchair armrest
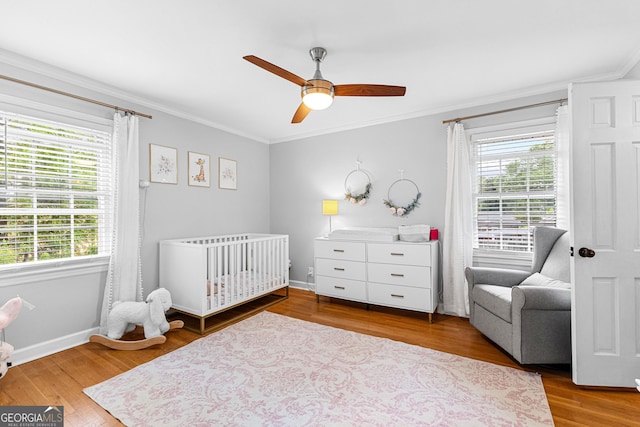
point(494, 276)
point(541, 319)
point(540, 298)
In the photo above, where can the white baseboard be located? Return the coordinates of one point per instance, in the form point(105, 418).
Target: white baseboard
point(36, 351)
point(302, 285)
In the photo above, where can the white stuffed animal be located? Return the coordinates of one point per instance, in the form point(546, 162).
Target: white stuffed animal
point(6, 351)
point(8, 313)
point(150, 314)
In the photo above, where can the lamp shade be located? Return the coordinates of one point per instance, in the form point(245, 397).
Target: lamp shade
point(329, 207)
point(317, 100)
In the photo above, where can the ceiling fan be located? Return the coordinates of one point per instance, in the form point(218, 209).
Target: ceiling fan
point(317, 93)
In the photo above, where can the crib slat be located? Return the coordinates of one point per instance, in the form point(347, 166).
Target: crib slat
point(228, 270)
point(219, 271)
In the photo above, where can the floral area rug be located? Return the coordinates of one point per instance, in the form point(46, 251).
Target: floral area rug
point(273, 370)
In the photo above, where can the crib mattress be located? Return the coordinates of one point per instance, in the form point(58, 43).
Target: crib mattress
point(372, 234)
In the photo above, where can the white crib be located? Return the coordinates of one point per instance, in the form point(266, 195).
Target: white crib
point(208, 275)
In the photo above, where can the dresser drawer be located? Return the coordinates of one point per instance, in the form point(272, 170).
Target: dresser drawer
point(341, 288)
point(400, 297)
point(406, 275)
point(349, 251)
point(395, 253)
point(343, 269)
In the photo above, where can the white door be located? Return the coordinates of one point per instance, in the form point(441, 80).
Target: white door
point(605, 219)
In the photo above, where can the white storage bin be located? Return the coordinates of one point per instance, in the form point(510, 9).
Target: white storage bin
point(414, 233)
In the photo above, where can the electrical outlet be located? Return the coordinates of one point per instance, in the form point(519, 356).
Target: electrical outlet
point(310, 272)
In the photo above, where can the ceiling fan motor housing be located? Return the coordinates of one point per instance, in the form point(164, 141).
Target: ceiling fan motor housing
point(318, 88)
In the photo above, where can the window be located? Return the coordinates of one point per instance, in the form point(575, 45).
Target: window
point(515, 186)
point(55, 191)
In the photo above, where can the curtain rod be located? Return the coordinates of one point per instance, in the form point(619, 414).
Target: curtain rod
point(82, 98)
point(557, 101)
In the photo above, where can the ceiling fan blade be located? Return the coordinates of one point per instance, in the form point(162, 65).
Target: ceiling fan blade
point(281, 72)
point(300, 113)
point(368, 90)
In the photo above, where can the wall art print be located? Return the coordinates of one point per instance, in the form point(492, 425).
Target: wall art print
point(163, 164)
point(227, 174)
point(199, 169)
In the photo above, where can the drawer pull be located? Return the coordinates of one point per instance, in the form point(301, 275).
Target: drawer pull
point(338, 287)
point(397, 296)
point(397, 254)
point(338, 250)
point(338, 268)
point(397, 275)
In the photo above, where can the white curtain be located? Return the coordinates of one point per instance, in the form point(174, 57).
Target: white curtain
point(124, 277)
point(457, 239)
point(563, 142)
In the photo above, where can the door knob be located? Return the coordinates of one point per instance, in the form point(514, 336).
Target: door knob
point(586, 253)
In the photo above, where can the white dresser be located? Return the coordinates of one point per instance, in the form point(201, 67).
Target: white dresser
point(395, 274)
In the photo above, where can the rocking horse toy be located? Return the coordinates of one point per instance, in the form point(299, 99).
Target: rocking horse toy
point(150, 314)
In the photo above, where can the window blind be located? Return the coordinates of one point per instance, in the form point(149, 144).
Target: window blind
point(515, 188)
point(56, 190)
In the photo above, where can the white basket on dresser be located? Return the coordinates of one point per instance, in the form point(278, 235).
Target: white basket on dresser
point(394, 274)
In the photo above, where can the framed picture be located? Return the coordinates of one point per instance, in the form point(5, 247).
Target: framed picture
point(163, 164)
point(227, 174)
point(199, 170)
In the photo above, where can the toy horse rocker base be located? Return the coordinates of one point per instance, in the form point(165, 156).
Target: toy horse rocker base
point(125, 316)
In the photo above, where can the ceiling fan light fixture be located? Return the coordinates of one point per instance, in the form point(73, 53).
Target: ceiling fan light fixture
point(317, 100)
point(317, 95)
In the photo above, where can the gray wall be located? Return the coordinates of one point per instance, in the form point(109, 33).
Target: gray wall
point(306, 171)
point(178, 211)
point(280, 189)
point(70, 304)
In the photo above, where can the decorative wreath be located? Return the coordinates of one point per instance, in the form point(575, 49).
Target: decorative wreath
point(402, 210)
point(357, 199)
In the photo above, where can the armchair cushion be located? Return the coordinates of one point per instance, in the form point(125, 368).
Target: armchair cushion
point(557, 263)
point(537, 279)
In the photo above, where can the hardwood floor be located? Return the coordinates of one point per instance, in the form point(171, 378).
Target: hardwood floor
point(59, 379)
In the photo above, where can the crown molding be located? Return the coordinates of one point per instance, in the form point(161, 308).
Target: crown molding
point(47, 70)
point(632, 61)
point(476, 102)
point(507, 96)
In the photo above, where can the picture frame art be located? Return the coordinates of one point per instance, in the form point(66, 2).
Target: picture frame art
point(163, 164)
point(227, 174)
point(199, 169)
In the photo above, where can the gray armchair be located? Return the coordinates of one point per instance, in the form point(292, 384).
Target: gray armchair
point(528, 314)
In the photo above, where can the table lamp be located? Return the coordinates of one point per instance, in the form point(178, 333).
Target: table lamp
point(330, 208)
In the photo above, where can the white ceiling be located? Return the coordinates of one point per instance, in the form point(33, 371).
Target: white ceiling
point(185, 57)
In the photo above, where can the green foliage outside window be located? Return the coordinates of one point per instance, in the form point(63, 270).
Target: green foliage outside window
point(49, 192)
point(514, 194)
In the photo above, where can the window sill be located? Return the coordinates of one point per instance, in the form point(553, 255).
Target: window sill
point(19, 275)
point(502, 259)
